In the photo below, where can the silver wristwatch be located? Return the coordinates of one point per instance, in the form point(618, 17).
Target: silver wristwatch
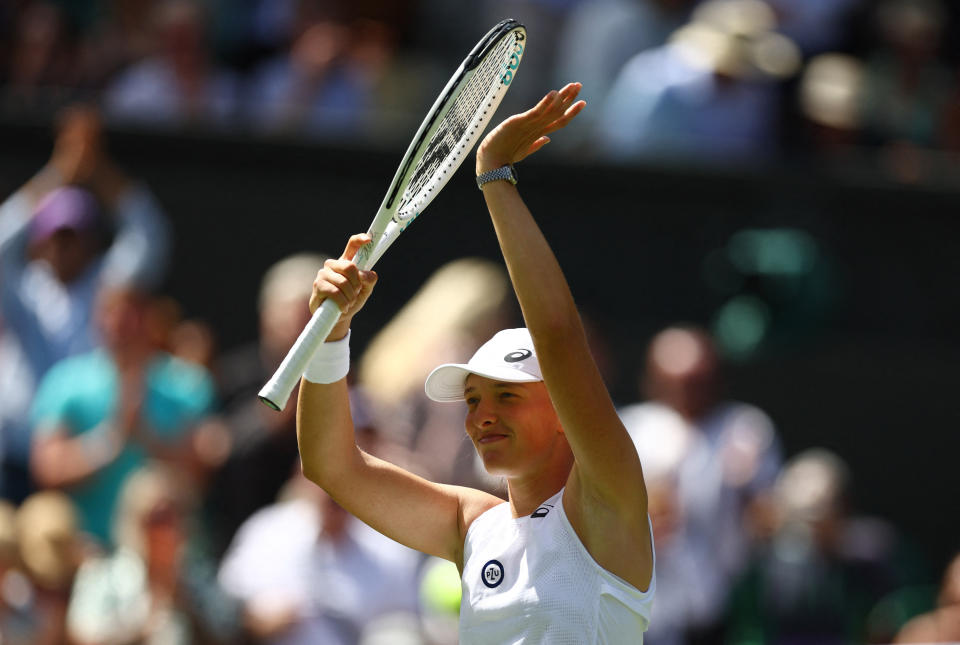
point(509, 173)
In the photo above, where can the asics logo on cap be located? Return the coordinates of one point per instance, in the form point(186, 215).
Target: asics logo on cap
point(518, 355)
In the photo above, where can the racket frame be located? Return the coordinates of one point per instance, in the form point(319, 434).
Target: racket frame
point(388, 222)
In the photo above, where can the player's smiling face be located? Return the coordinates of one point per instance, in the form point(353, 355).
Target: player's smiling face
point(513, 425)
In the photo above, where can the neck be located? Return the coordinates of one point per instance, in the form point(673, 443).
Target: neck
point(527, 493)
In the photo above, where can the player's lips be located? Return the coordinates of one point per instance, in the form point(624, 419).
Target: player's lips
point(490, 438)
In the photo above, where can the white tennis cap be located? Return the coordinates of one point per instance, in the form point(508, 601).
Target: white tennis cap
point(508, 356)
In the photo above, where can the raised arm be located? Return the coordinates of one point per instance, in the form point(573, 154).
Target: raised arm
point(423, 515)
point(605, 491)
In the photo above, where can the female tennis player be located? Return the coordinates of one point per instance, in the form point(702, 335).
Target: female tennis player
point(569, 557)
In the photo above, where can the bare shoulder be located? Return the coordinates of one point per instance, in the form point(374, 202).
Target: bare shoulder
point(922, 629)
point(473, 504)
point(938, 626)
point(609, 533)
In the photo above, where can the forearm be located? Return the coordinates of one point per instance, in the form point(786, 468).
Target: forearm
point(60, 462)
point(603, 450)
point(325, 432)
point(577, 390)
point(399, 504)
point(15, 214)
point(541, 288)
point(140, 250)
point(402, 506)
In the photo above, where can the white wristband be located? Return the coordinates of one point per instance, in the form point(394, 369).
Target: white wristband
point(330, 362)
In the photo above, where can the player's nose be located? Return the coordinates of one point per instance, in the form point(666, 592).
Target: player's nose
point(483, 415)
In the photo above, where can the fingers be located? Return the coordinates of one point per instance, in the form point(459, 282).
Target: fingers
point(570, 91)
point(557, 102)
point(563, 106)
point(544, 105)
point(536, 145)
point(566, 117)
point(523, 134)
point(554, 111)
point(368, 281)
point(342, 281)
point(354, 244)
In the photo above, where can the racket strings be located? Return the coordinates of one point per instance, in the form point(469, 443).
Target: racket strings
point(459, 127)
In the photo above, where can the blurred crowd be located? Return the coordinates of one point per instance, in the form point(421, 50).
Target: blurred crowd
point(710, 81)
point(148, 497)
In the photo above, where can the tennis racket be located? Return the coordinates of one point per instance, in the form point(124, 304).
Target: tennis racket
point(444, 139)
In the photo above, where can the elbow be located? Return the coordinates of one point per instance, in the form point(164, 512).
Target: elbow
point(328, 474)
point(311, 472)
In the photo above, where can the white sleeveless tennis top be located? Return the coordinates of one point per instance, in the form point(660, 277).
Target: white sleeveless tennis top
point(530, 580)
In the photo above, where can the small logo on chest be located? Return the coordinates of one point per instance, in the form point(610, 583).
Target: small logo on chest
point(542, 511)
point(492, 574)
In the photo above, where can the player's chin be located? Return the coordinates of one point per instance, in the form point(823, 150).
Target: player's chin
point(496, 463)
point(497, 470)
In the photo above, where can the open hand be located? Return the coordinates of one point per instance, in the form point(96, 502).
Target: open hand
point(523, 134)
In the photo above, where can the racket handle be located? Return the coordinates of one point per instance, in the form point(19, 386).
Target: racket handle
point(277, 390)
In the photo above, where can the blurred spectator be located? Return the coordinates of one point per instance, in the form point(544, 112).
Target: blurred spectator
point(17, 384)
point(690, 586)
point(262, 450)
point(905, 85)
point(309, 572)
point(599, 37)
point(709, 94)
point(42, 66)
point(712, 465)
point(99, 416)
point(476, 301)
point(816, 26)
point(823, 568)
point(942, 625)
point(119, 35)
point(179, 84)
point(544, 20)
point(327, 80)
point(194, 341)
point(158, 586)
point(831, 103)
point(50, 549)
point(372, 440)
point(283, 311)
point(78, 224)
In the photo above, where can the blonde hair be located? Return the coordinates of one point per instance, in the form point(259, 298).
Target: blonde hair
point(143, 491)
point(290, 278)
point(46, 527)
point(458, 302)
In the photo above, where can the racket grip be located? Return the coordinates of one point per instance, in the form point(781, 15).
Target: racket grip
point(277, 390)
